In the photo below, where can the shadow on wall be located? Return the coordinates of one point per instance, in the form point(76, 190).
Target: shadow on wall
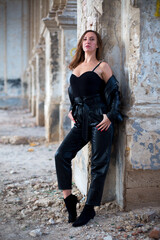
point(13, 87)
point(13, 97)
point(125, 90)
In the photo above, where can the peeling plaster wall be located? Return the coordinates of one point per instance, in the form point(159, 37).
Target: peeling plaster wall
point(144, 138)
point(142, 153)
point(147, 87)
point(111, 35)
point(89, 12)
point(144, 114)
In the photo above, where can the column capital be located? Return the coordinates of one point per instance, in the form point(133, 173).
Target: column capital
point(62, 14)
point(56, 8)
point(68, 17)
point(40, 48)
point(32, 61)
point(50, 22)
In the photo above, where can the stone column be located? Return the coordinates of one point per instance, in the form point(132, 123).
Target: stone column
point(29, 82)
point(33, 90)
point(142, 143)
point(56, 73)
point(93, 15)
point(24, 80)
point(53, 86)
point(112, 53)
point(40, 85)
point(67, 24)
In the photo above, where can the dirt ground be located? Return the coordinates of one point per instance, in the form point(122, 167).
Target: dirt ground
point(32, 207)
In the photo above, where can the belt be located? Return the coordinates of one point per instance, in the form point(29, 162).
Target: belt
point(84, 102)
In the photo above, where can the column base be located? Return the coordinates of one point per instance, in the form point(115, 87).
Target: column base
point(52, 122)
point(40, 114)
point(65, 122)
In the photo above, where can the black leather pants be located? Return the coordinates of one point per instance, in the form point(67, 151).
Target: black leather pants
point(101, 149)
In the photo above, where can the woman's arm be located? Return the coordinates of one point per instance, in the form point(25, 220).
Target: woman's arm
point(111, 94)
point(112, 97)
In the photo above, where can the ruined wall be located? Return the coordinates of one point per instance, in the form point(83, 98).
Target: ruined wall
point(13, 45)
point(142, 127)
point(130, 35)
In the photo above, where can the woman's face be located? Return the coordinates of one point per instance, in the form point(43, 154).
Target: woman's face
point(89, 42)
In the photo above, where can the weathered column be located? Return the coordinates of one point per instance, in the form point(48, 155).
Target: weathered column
point(112, 53)
point(53, 88)
point(142, 143)
point(29, 92)
point(24, 80)
point(56, 74)
point(67, 24)
point(33, 77)
point(40, 83)
point(92, 15)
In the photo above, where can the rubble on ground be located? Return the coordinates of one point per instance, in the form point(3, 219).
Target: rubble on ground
point(40, 202)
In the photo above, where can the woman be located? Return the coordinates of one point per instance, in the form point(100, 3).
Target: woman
point(94, 100)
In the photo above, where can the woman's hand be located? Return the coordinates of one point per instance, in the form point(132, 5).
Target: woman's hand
point(70, 116)
point(104, 124)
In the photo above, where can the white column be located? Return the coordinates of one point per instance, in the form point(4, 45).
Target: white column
point(52, 86)
point(33, 100)
point(40, 85)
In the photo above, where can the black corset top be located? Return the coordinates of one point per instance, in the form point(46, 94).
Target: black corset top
point(87, 84)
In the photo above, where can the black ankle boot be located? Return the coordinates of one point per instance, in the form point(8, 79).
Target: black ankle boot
point(70, 203)
point(87, 214)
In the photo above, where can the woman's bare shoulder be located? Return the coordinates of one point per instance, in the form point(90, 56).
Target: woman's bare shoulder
point(106, 71)
point(105, 66)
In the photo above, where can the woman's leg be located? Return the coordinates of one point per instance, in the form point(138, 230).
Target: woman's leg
point(71, 144)
point(66, 193)
point(101, 151)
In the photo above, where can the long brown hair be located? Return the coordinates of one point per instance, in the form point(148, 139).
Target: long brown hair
point(79, 55)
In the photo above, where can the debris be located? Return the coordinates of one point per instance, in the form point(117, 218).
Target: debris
point(36, 233)
point(32, 144)
point(17, 140)
point(45, 202)
point(51, 221)
point(155, 233)
point(13, 172)
point(149, 216)
point(30, 150)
